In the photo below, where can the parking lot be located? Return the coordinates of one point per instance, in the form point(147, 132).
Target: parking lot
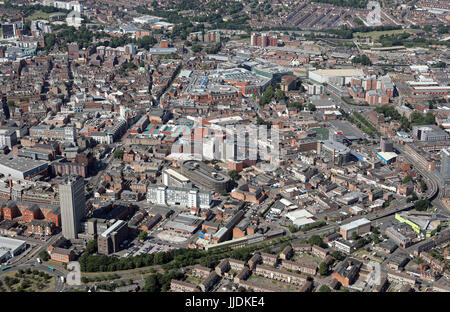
point(147, 247)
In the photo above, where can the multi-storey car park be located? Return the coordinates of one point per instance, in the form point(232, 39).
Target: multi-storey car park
point(205, 177)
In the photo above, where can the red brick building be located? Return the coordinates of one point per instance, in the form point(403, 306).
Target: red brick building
point(54, 217)
point(62, 255)
point(31, 213)
point(10, 211)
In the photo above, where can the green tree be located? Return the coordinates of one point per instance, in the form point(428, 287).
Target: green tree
point(152, 284)
point(279, 95)
point(440, 64)
point(311, 107)
point(196, 48)
point(293, 228)
point(324, 288)
point(358, 21)
point(315, 240)
point(44, 255)
point(427, 28)
point(233, 174)
point(375, 239)
point(91, 247)
point(50, 41)
point(423, 186)
point(412, 198)
point(362, 59)
point(267, 96)
point(337, 255)
point(323, 268)
point(297, 105)
point(407, 179)
point(143, 235)
point(422, 204)
point(145, 42)
point(118, 154)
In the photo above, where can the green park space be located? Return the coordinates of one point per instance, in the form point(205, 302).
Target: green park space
point(28, 281)
point(322, 133)
point(375, 35)
point(39, 15)
point(306, 258)
point(260, 280)
point(193, 280)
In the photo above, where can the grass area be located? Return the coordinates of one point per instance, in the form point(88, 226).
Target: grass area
point(322, 133)
point(375, 35)
point(124, 279)
point(53, 263)
point(352, 101)
point(306, 258)
point(29, 281)
point(76, 290)
point(39, 15)
point(132, 272)
point(392, 288)
point(272, 283)
point(362, 252)
point(193, 280)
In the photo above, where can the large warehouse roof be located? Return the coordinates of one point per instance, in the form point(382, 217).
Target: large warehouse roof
point(19, 163)
point(19, 167)
point(344, 72)
point(10, 243)
point(355, 224)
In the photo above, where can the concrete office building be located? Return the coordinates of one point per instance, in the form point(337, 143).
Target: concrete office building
point(359, 226)
point(398, 238)
point(73, 204)
point(429, 133)
point(94, 226)
point(343, 75)
point(171, 177)
point(8, 137)
point(445, 171)
point(445, 165)
point(386, 145)
point(110, 240)
point(178, 196)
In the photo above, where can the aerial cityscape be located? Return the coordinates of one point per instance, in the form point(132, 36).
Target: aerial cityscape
point(224, 146)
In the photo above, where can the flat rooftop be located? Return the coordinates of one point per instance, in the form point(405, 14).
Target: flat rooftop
point(343, 72)
point(349, 131)
point(113, 228)
point(10, 243)
point(205, 171)
point(177, 175)
point(355, 224)
point(20, 163)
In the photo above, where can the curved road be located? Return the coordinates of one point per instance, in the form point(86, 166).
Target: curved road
point(59, 285)
point(29, 260)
